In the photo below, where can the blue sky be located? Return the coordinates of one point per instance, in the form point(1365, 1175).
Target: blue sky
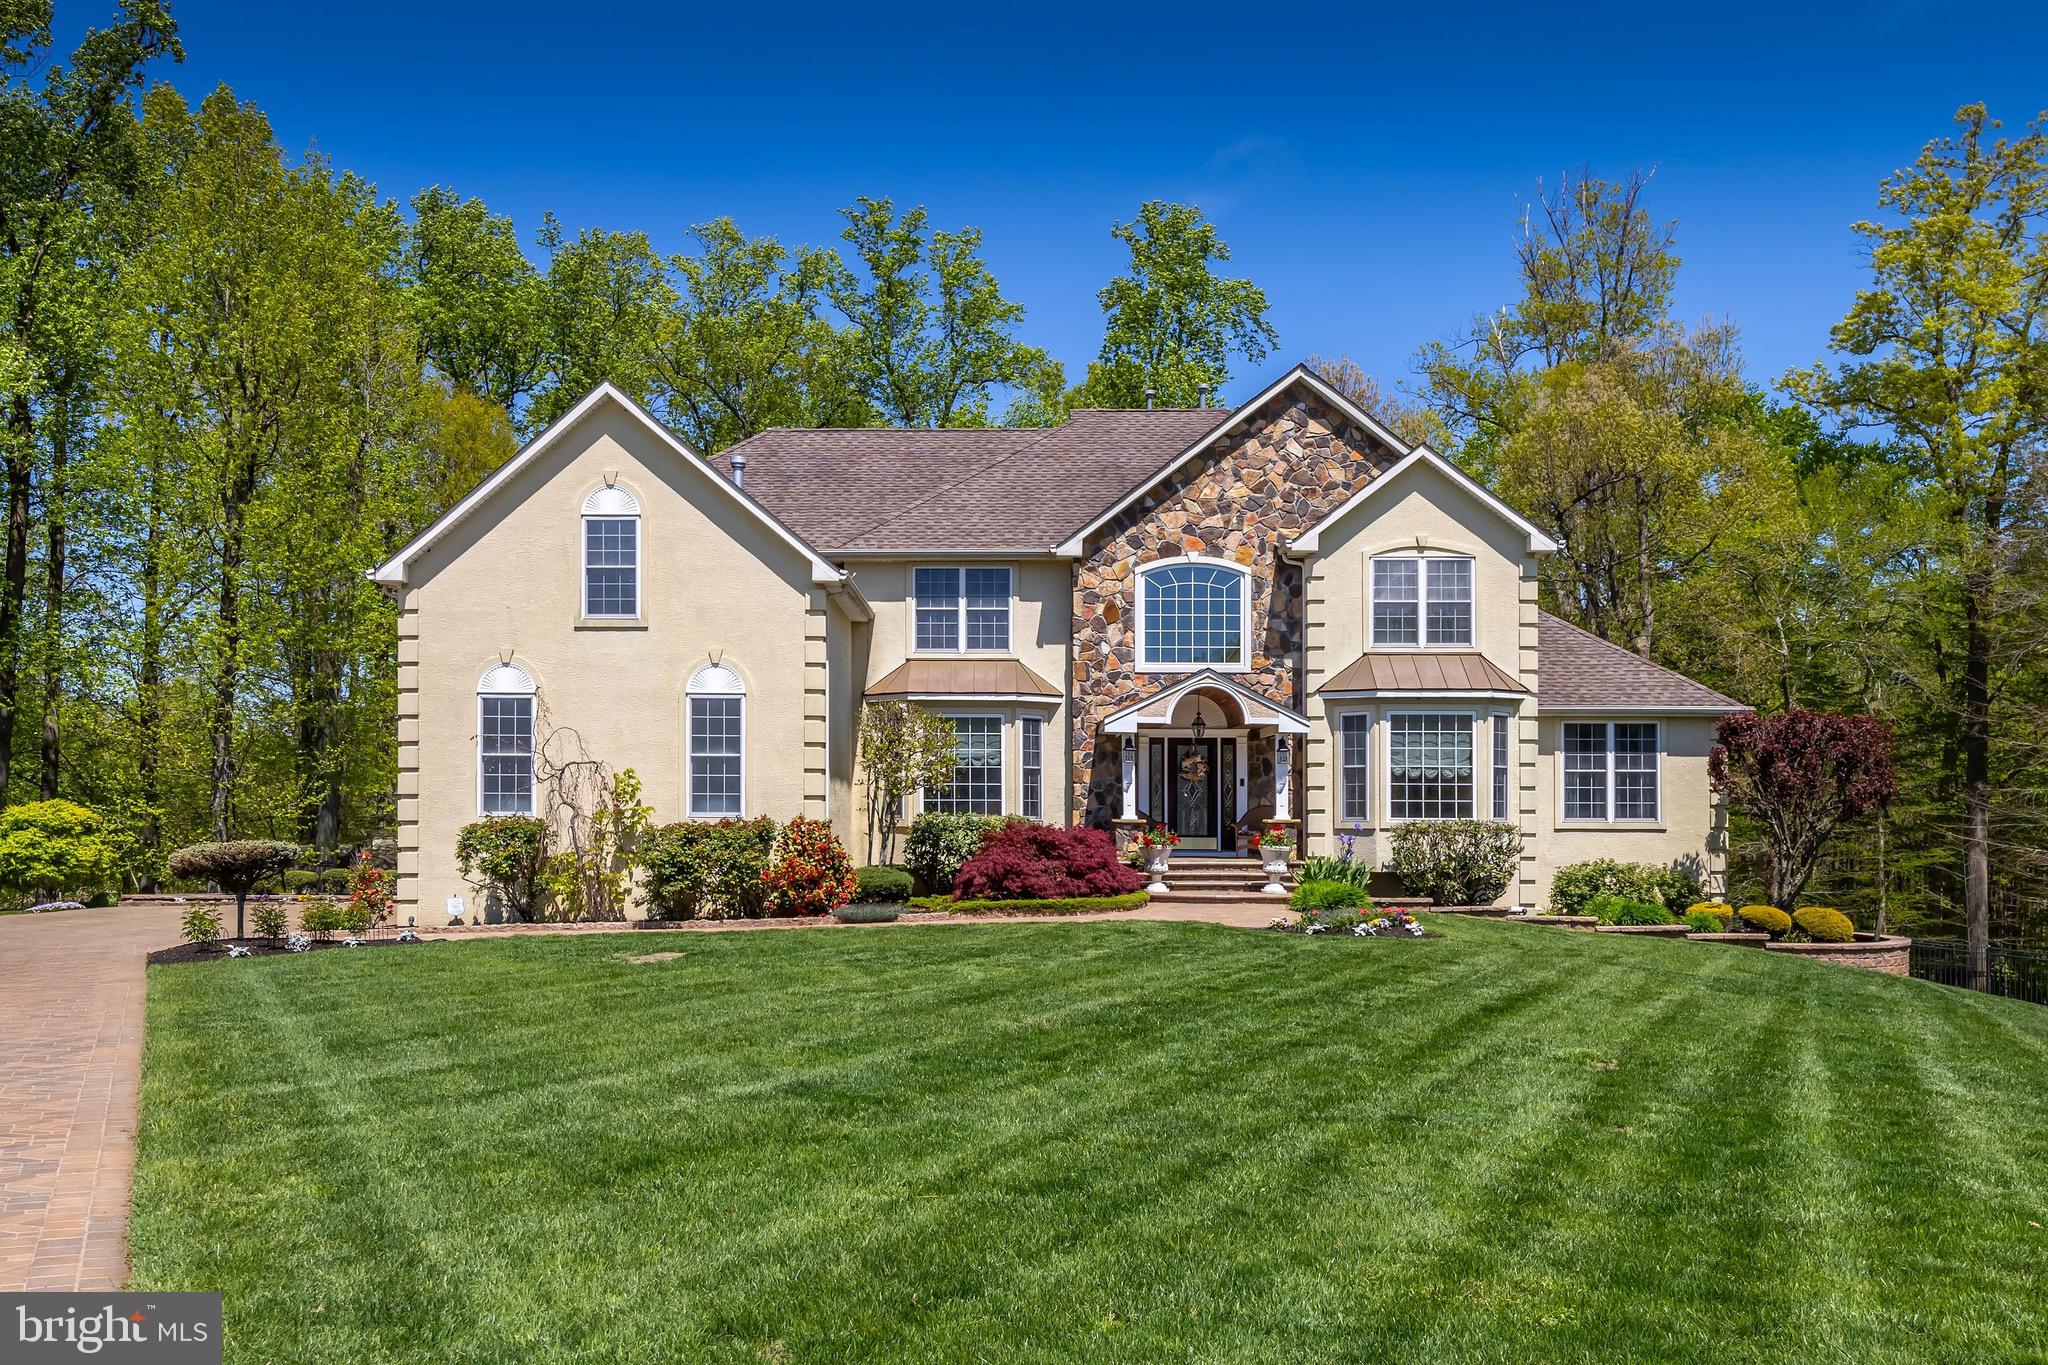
point(1364, 167)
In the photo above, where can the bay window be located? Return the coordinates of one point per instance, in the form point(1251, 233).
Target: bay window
point(1355, 731)
point(1429, 766)
point(977, 782)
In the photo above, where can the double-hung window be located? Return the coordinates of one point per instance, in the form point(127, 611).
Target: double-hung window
point(611, 554)
point(1031, 749)
point(1355, 731)
point(1429, 766)
point(505, 746)
point(1422, 600)
point(1610, 771)
point(961, 608)
point(977, 783)
point(1500, 766)
point(717, 736)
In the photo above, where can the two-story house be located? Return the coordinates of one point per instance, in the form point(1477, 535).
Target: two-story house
point(1197, 617)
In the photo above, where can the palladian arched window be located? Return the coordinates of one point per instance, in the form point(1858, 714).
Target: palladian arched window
point(504, 741)
point(1192, 613)
point(717, 736)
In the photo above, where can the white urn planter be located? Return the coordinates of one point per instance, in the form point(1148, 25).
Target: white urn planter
point(1274, 860)
point(1156, 856)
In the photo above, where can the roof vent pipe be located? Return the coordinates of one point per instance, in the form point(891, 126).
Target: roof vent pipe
point(1151, 394)
point(1202, 401)
point(739, 468)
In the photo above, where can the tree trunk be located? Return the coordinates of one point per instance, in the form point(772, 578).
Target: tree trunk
point(149, 682)
point(227, 682)
point(53, 598)
point(20, 464)
point(1976, 746)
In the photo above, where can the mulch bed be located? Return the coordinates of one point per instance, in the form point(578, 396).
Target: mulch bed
point(258, 947)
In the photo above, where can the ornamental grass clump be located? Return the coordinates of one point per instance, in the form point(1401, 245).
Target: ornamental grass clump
point(1824, 925)
point(811, 874)
point(1701, 920)
point(1316, 897)
point(1026, 861)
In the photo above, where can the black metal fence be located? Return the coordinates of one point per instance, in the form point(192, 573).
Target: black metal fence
point(2019, 973)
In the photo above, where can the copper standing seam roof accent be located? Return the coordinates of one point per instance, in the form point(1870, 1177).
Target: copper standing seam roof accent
point(962, 678)
point(1420, 671)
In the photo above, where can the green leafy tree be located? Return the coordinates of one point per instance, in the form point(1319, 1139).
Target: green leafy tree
point(1946, 355)
point(66, 137)
point(903, 749)
point(932, 336)
point(608, 298)
point(1173, 323)
point(748, 345)
point(50, 847)
point(479, 305)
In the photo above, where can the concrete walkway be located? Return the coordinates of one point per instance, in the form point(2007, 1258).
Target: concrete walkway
point(71, 1016)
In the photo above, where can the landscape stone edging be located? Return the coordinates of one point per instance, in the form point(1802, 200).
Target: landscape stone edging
point(1740, 938)
point(1646, 930)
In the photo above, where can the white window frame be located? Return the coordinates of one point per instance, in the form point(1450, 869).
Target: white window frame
point(707, 683)
point(1030, 728)
point(1422, 563)
point(960, 572)
point(1354, 819)
point(1002, 761)
point(1609, 772)
point(509, 680)
point(1147, 664)
point(1501, 765)
point(1386, 756)
point(611, 503)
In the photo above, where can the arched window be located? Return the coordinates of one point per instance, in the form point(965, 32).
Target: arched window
point(611, 554)
point(504, 730)
point(717, 741)
point(1192, 614)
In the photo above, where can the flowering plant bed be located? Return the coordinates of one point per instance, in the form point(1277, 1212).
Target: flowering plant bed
point(1394, 924)
point(233, 949)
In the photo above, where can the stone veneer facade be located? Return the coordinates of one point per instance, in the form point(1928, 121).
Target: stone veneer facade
point(1263, 483)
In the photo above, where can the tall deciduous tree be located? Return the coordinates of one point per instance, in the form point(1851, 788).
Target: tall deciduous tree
point(933, 337)
point(1415, 425)
point(65, 135)
point(1947, 354)
point(479, 305)
point(1173, 323)
point(608, 297)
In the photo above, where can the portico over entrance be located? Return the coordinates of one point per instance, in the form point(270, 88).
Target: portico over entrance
point(1196, 758)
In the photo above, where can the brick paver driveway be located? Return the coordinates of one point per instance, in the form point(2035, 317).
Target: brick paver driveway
point(71, 992)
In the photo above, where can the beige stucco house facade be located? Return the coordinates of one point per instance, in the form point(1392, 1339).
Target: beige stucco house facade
point(1198, 617)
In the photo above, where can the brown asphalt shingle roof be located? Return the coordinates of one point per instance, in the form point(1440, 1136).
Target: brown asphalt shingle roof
point(1576, 668)
point(975, 489)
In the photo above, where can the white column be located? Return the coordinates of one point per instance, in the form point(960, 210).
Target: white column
point(1128, 747)
point(1282, 760)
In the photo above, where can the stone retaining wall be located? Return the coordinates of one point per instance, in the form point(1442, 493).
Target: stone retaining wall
point(1887, 953)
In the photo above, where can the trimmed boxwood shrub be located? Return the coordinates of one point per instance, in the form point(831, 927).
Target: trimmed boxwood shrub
point(710, 870)
point(940, 843)
point(1456, 862)
point(1072, 905)
point(881, 885)
point(1628, 910)
point(1578, 883)
point(1701, 920)
point(1026, 861)
point(867, 912)
point(1768, 918)
point(295, 880)
point(1318, 896)
point(1824, 925)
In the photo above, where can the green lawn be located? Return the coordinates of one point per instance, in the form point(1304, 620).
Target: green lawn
point(1115, 1141)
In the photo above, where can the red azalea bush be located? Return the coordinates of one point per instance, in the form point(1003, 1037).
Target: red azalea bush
point(811, 874)
point(1029, 862)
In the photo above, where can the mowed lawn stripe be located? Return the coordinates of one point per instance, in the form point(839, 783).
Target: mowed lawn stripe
point(1098, 1141)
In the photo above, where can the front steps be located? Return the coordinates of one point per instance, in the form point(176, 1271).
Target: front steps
point(1196, 881)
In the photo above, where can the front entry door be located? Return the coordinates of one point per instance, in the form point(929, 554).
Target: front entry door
point(1193, 785)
